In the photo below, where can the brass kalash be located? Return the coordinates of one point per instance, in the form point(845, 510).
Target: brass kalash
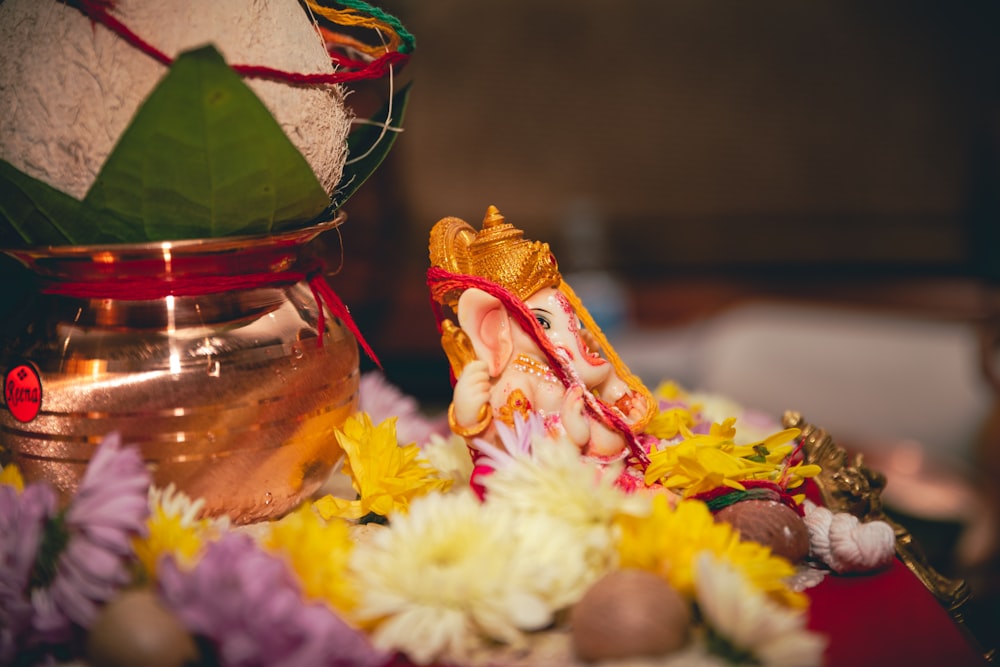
point(232, 395)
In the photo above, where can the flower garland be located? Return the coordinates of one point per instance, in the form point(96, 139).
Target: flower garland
point(447, 578)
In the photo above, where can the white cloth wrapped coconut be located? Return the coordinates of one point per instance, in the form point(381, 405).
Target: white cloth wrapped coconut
point(69, 86)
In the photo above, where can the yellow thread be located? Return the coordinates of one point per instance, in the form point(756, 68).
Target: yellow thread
point(349, 17)
point(621, 369)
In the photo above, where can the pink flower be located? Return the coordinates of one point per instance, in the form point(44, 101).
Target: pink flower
point(247, 603)
point(109, 508)
point(22, 524)
point(515, 442)
point(380, 399)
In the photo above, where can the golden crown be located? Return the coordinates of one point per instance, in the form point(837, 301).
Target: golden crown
point(499, 252)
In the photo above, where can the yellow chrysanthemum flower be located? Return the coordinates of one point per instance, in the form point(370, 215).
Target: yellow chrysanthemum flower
point(669, 390)
point(701, 463)
point(668, 423)
point(726, 431)
point(669, 540)
point(694, 466)
point(10, 475)
point(318, 551)
point(169, 532)
point(385, 475)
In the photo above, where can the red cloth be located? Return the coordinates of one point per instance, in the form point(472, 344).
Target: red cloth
point(887, 618)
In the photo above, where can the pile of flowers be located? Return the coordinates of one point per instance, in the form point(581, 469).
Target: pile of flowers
point(415, 568)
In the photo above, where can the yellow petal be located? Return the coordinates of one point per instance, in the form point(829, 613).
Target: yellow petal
point(330, 506)
point(10, 475)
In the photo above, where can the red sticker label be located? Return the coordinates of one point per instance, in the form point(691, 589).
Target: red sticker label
point(22, 389)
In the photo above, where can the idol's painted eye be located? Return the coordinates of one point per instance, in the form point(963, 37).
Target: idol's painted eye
point(543, 322)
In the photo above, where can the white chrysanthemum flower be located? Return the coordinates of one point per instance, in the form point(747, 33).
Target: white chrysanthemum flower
point(176, 503)
point(552, 478)
point(750, 624)
point(450, 457)
point(559, 564)
point(550, 484)
point(447, 574)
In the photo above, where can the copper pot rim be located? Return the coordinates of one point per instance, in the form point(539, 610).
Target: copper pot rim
point(290, 237)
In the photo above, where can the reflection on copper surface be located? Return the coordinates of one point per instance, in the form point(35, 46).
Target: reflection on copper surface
point(223, 393)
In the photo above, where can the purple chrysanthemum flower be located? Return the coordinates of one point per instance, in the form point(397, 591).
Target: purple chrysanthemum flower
point(247, 603)
point(22, 526)
point(514, 441)
point(110, 508)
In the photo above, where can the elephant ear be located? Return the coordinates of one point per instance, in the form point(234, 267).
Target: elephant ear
point(488, 324)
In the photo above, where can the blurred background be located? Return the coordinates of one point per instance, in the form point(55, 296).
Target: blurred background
point(796, 205)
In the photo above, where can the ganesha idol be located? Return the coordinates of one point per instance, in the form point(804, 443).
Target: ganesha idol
point(519, 341)
point(521, 344)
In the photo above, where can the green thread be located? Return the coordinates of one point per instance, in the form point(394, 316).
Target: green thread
point(716, 504)
point(409, 42)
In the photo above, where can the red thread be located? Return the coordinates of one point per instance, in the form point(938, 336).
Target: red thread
point(442, 282)
point(140, 288)
point(319, 285)
point(781, 494)
point(97, 10)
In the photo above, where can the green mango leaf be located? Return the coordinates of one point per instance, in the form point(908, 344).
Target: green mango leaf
point(363, 139)
point(34, 213)
point(30, 208)
point(203, 157)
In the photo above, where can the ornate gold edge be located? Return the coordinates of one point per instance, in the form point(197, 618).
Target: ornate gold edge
point(846, 484)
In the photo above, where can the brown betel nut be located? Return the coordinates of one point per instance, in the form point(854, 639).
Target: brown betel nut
point(770, 523)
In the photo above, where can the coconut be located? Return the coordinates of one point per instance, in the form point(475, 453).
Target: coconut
point(69, 86)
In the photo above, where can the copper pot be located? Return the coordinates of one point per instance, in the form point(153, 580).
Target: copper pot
point(214, 356)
